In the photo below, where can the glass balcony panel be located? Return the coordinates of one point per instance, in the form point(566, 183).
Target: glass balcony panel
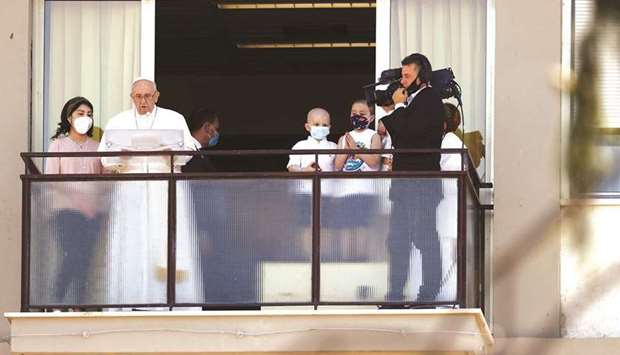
point(98, 242)
point(244, 241)
point(388, 239)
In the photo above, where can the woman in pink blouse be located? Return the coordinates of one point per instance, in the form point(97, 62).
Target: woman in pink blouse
point(74, 135)
point(78, 209)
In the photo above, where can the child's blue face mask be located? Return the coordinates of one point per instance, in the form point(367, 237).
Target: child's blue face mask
point(319, 132)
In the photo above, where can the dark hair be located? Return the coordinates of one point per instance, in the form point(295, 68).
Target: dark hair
point(426, 70)
point(67, 110)
point(450, 112)
point(371, 108)
point(200, 116)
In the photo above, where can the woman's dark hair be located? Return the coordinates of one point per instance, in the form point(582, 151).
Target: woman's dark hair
point(452, 117)
point(70, 107)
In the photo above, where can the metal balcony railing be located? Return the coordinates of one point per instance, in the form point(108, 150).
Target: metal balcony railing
point(238, 240)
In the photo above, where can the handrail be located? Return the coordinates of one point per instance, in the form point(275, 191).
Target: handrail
point(232, 175)
point(467, 165)
point(248, 152)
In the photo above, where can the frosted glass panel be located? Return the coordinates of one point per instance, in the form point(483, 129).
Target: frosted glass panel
point(388, 240)
point(98, 242)
point(244, 241)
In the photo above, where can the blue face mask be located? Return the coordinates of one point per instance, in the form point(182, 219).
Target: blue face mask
point(319, 133)
point(214, 140)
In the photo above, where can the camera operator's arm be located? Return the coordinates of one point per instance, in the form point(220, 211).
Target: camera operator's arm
point(343, 143)
point(421, 117)
point(394, 117)
point(399, 98)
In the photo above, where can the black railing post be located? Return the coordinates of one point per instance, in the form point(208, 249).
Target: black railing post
point(316, 236)
point(172, 224)
point(25, 295)
point(482, 258)
point(462, 235)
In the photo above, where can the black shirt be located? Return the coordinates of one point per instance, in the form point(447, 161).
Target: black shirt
point(199, 164)
point(417, 126)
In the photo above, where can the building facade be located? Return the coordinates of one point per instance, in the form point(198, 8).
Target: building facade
point(532, 307)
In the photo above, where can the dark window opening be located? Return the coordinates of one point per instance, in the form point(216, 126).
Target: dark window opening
point(204, 57)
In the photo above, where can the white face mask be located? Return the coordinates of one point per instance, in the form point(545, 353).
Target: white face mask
point(319, 132)
point(82, 124)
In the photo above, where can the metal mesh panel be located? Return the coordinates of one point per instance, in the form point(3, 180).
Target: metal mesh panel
point(244, 241)
point(98, 242)
point(381, 240)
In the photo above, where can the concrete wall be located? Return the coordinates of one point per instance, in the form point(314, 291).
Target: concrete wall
point(590, 266)
point(527, 169)
point(14, 110)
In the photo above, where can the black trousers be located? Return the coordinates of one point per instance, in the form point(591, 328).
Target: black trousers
point(412, 223)
point(77, 236)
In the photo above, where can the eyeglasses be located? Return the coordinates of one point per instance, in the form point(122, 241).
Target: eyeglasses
point(139, 97)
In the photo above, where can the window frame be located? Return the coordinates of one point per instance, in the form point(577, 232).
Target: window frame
point(567, 112)
point(39, 117)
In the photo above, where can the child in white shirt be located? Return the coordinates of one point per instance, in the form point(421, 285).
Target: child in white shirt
point(361, 137)
point(317, 124)
point(356, 199)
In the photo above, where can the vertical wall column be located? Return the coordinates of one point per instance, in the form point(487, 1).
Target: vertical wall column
point(526, 245)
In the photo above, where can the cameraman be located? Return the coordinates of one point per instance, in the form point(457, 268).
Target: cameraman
point(415, 121)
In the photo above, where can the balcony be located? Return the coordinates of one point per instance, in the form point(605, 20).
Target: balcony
point(313, 245)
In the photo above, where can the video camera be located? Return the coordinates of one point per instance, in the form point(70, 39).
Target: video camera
point(442, 81)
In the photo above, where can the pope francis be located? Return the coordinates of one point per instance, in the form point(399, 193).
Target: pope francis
point(137, 243)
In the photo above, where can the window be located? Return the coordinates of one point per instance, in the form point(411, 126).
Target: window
point(262, 69)
point(607, 62)
point(84, 48)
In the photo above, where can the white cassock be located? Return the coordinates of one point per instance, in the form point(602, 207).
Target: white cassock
point(138, 229)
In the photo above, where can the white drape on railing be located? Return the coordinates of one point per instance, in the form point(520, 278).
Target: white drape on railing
point(92, 50)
